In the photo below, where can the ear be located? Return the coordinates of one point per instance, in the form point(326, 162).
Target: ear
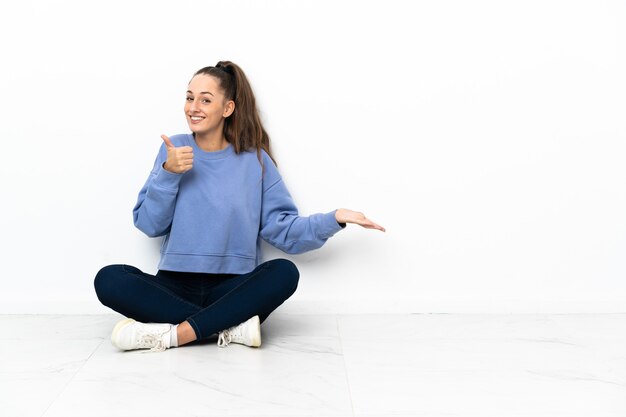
point(229, 108)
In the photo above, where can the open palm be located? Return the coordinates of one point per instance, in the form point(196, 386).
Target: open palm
point(350, 216)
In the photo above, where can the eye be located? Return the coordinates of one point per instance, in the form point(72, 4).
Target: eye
point(206, 101)
point(189, 98)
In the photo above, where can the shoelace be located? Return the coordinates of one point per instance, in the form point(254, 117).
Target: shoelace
point(224, 339)
point(155, 342)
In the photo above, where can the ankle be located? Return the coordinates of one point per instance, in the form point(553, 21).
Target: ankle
point(185, 333)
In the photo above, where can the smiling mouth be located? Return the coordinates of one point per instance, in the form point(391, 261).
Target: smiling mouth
point(196, 119)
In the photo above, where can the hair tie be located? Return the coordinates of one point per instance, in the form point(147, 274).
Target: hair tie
point(227, 70)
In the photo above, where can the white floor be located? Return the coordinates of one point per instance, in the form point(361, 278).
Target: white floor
point(326, 365)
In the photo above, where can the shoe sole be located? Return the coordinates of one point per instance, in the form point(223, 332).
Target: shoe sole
point(116, 330)
point(256, 340)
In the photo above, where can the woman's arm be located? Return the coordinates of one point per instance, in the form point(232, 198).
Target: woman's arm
point(284, 228)
point(154, 209)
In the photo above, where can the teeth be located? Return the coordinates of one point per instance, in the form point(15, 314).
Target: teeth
point(196, 118)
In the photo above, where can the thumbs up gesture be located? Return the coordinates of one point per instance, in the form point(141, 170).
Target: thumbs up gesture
point(179, 160)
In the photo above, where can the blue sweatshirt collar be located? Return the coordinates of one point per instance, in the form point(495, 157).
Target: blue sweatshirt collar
point(202, 154)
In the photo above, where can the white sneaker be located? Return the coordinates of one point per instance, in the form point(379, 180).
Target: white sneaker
point(247, 333)
point(129, 334)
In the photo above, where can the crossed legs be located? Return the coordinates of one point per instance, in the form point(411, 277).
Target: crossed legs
point(233, 300)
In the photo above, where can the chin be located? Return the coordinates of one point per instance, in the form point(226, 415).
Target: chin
point(195, 129)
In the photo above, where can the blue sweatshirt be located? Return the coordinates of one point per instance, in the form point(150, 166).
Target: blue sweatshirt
point(214, 215)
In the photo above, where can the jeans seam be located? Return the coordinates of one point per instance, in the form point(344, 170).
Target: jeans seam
point(195, 327)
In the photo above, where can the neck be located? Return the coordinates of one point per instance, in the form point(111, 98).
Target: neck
point(211, 141)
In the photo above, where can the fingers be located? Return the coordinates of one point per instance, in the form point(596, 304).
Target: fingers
point(179, 160)
point(350, 216)
point(168, 143)
point(368, 224)
point(180, 167)
point(183, 162)
point(182, 155)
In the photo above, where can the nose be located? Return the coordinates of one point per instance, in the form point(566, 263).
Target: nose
point(192, 106)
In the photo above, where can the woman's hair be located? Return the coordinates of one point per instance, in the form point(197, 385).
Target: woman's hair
point(243, 128)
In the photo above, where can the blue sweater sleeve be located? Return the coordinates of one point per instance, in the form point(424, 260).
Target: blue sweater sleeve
point(156, 201)
point(282, 227)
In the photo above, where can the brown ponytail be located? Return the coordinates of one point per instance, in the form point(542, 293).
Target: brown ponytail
point(243, 128)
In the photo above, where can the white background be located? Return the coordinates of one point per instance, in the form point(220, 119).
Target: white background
point(487, 136)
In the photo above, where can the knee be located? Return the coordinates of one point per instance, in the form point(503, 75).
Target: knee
point(288, 272)
point(104, 283)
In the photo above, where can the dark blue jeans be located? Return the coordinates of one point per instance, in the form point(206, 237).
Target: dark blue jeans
point(209, 302)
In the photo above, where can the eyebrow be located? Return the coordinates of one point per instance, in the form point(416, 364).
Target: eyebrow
point(202, 92)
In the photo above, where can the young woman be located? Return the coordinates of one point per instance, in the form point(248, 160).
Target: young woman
point(214, 194)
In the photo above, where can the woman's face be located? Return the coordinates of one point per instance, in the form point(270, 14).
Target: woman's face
point(205, 107)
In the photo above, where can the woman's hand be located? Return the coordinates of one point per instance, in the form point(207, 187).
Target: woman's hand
point(349, 216)
point(179, 160)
